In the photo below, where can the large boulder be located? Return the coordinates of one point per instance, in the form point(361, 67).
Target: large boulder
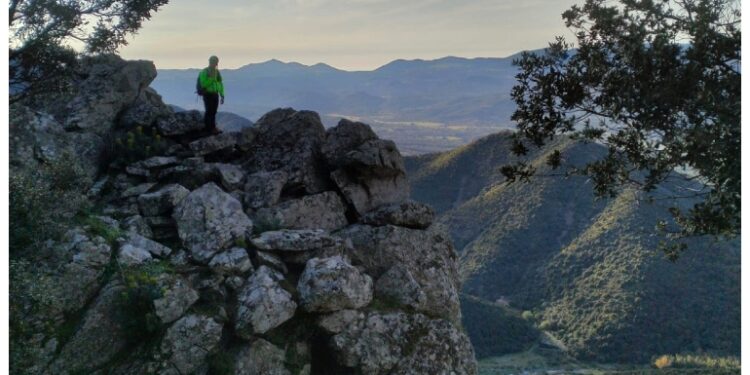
point(111, 85)
point(162, 201)
point(342, 138)
point(209, 220)
point(399, 343)
point(263, 189)
point(188, 342)
point(262, 304)
point(100, 337)
point(260, 357)
point(331, 284)
point(408, 214)
point(324, 210)
point(232, 261)
point(290, 140)
point(146, 109)
point(177, 298)
point(180, 123)
point(427, 255)
point(372, 174)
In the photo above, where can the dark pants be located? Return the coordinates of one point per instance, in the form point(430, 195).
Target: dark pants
point(211, 102)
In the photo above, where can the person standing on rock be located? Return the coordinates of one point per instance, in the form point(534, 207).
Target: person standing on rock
point(210, 86)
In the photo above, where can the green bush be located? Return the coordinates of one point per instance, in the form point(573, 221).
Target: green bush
point(137, 312)
point(43, 201)
point(132, 146)
point(495, 330)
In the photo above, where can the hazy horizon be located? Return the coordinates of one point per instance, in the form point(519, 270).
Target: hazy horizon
point(354, 36)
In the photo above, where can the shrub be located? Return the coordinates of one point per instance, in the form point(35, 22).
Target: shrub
point(43, 201)
point(137, 312)
point(134, 145)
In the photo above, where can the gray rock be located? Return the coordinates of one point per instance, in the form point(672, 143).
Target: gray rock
point(111, 85)
point(214, 143)
point(397, 285)
point(137, 170)
point(447, 349)
point(365, 194)
point(177, 298)
point(337, 321)
point(155, 162)
point(428, 255)
point(404, 344)
point(209, 220)
point(189, 341)
point(99, 339)
point(294, 240)
point(331, 284)
point(270, 260)
point(290, 140)
point(191, 173)
point(130, 255)
point(263, 189)
point(162, 201)
point(408, 214)
point(137, 241)
point(262, 304)
point(324, 211)
point(260, 358)
point(232, 261)
point(137, 224)
point(137, 190)
point(231, 176)
point(180, 123)
point(144, 112)
point(342, 138)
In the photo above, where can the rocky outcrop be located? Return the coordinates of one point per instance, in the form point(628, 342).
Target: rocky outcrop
point(281, 249)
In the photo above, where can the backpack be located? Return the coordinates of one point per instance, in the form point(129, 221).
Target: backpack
point(198, 88)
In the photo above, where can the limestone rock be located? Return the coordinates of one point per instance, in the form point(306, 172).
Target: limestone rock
point(342, 138)
point(100, 337)
point(231, 176)
point(162, 201)
point(294, 240)
point(404, 344)
point(180, 123)
point(140, 242)
point(428, 255)
point(337, 321)
point(147, 108)
point(262, 304)
point(331, 284)
point(136, 224)
point(111, 85)
point(177, 297)
point(367, 194)
point(209, 220)
point(408, 214)
point(137, 190)
point(260, 357)
point(290, 140)
point(130, 255)
point(189, 341)
point(324, 210)
point(270, 260)
point(397, 285)
point(263, 189)
point(232, 261)
point(219, 142)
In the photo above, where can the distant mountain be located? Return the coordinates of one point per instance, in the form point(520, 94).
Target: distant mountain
point(588, 270)
point(226, 121)
point(424, 105)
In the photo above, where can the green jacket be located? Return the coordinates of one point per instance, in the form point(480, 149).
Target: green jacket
point(211, 84)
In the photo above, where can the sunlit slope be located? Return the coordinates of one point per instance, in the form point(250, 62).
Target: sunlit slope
point(589, 269)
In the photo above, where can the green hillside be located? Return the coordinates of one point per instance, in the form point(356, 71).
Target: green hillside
point(589, 269)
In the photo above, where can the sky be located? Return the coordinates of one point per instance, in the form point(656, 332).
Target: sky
point(347, 34)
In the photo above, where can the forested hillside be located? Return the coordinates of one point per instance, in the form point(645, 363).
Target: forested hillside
point(590, 270)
